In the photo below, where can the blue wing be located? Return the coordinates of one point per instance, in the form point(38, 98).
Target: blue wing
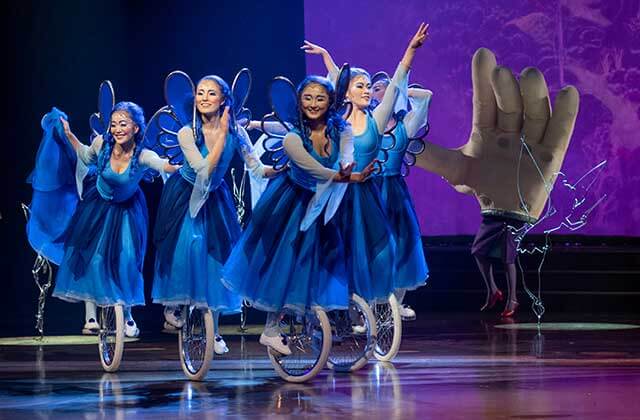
point(179, 93)
point(284, 103)
point(96, 125)
point(383, 155)
point(162, 135)
point(415, 146)
point(99, 121)
point(162, 129)
point(273, 143)
point(341, 104)
point(416, 143)
point(240, 91)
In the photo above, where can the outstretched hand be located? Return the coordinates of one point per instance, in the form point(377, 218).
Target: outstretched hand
point(416, 42)
point(420, 36)
point(311, 48)
point(504, 109)
point(65, 126)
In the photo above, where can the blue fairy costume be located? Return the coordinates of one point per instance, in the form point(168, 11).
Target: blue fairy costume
point(98, 237)
point(400, 145)
point(369, 242)
point(289, 257)
point(197, 225)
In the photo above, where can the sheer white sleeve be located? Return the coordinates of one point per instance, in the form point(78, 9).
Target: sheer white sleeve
point(383, 112)
point(275, 127)
point(200, 165)
point(252, 162)
point(418, 116)
point(251, 155)
point(191, 152)
point(346, 145)
point(87, 155)
point(150, 159)
point(329, 194)
point(258, 186)
point(332, 75)
point(402, 98)
point(297, 153)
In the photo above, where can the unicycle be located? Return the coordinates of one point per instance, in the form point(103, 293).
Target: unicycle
point(195, 342)
point(309, 338)
point(111, 336)
point(354, 336)
point(389, 326)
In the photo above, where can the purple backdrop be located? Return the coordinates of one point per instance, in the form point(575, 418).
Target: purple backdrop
point(593, 44)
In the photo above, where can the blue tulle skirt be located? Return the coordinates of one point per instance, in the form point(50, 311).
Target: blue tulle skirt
point(411, 266)
point(275, 265)
point(104, 249)
point(55, 194)
point(191, 252)
point(50, 215)
point(369, 245)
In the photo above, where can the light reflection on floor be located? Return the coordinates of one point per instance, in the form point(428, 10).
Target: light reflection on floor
point(568, 326)
point(460, 367)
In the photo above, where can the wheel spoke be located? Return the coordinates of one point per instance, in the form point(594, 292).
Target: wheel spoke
point(194, 340)
point(351, 331)
point(107, 334)
point(305, 341)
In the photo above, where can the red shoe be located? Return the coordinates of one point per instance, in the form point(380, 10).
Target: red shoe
point(493, 299)
point(508, 313)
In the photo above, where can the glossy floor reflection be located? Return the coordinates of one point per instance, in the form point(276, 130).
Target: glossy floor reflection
point(450, 367)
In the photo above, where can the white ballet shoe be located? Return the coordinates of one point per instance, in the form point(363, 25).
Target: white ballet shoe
point(131, 329)
point(91, 327)
point(174, 316)
point(359, 329)
point(278, 343)
point(407, 313)
point(219, 346)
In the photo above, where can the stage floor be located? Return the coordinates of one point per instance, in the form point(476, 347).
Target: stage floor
point(451, 366)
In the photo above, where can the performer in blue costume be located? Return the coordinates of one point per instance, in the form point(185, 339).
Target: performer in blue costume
point(100, 240)
point(54, 200)
point(371, 248)
point(281, 262)
point(197, 223)
point(401, 143)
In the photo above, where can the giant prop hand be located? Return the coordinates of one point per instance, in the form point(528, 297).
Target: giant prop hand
point(503, 110)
